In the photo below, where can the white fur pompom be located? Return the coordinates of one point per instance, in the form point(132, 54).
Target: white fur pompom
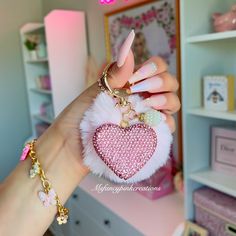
point(103, 111)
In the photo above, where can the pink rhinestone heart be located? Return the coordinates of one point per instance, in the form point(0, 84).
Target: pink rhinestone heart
point(125, 150)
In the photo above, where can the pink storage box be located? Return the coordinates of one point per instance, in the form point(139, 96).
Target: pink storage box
point(165, 187)
point(224, 150)
point(215, 211)
point(163, 179)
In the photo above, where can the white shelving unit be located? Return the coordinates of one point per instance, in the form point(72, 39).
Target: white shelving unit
point(203, 53)
point(42, 91)
point(216, 180)
point(211, 37)
point(213, 114)
point(65, 35)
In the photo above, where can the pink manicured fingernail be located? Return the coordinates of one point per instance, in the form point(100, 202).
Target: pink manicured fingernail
point(154, 83)
point(156, 101)
point(124, 50)
point(144, 72)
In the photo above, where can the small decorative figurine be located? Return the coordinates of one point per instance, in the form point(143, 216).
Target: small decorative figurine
point(225, 22)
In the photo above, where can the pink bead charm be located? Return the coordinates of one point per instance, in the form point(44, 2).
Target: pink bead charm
point(25, 152)
point(125, 150)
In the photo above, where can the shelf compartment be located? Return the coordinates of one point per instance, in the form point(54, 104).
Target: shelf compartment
point(219, 181)
point(41, 60)
point(43, 118)
point(42, 91)
point(223, 115)
point(212, 37)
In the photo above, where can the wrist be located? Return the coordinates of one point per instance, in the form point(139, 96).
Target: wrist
point(55, 154)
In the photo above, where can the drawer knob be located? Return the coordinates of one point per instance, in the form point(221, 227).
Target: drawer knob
point(77, 222)
point(231, 229)
point(74, 196)
point(107, 222)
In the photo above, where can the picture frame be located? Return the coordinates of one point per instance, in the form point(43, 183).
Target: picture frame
point(192, 229)
point(157, 27)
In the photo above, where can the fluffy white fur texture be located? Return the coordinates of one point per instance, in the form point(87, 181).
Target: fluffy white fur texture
point(103, 111)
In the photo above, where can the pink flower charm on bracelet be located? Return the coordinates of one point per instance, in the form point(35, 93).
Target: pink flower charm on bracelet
point(48, 199)
point(25, 152)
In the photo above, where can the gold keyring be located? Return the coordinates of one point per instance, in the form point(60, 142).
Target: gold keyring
point(105, 78)
point(104, 85)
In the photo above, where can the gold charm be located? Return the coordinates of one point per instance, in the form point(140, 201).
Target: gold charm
point(124, 123)
point(34, 170)
point(62, 219)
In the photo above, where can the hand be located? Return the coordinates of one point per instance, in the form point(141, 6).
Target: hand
point(157, 85)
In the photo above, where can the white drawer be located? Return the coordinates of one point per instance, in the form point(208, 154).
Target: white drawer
point(83, 225)
point(105, 218)
point(56, 230)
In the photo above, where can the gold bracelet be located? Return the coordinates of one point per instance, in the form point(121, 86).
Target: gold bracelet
point(48, 196)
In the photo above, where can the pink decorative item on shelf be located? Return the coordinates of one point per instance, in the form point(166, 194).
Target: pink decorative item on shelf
point(225, 22)
point(46, 82)
point(162, 179)
point(215, 211)
point(43, 82)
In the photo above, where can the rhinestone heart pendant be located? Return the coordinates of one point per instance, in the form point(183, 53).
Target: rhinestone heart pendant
point(125, 150)
point(121, 146)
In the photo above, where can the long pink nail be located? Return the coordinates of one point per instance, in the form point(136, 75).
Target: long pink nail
point(145, 71)
point(151, 84)
point(124, 50)
point(156, 101)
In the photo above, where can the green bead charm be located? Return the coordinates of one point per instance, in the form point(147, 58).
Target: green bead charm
point(151, 118)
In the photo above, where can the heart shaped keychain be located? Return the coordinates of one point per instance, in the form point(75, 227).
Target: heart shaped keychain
point(124, 140)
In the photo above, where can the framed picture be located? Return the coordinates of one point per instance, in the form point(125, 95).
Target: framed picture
point(156, 24)
point(192, 229)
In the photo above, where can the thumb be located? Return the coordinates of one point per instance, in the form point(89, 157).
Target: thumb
point(122, 70)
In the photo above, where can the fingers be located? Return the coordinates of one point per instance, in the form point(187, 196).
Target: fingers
point(123, 69)
point(120, 75)
point(125, 48)
point(171, 123)
point(167, 102)
point(153, 66)
point(164, 82)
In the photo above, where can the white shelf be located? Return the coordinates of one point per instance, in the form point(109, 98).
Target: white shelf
point(212, 37)
point(135, 208)
point(43, 118)
point(42, 60)
point(203, 54)
point(43, 91)
point(223, 115)
point(222, 182)
point(70, 39)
